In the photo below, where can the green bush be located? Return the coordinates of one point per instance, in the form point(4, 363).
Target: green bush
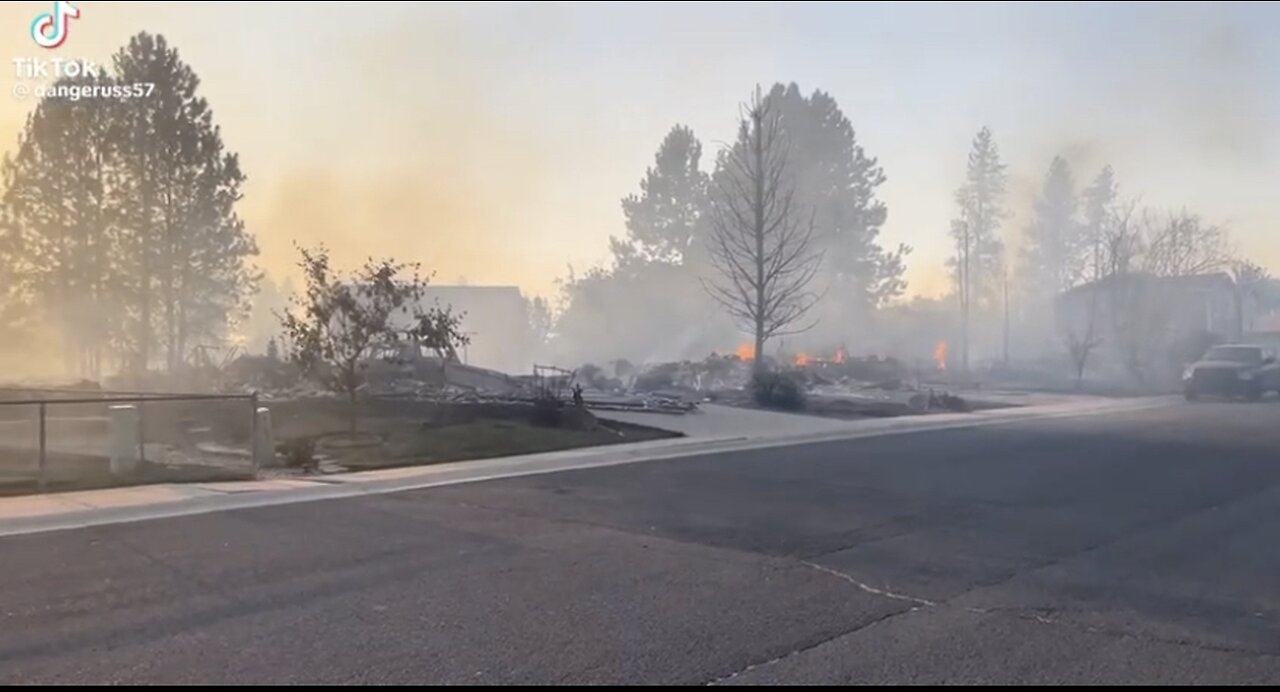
point(777, 390)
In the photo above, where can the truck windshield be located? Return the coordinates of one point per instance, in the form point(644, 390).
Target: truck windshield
point(1235, 354)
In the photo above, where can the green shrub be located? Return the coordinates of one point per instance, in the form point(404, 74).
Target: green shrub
point(777, 390)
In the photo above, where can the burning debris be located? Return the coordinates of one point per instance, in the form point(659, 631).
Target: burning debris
point(832, 383)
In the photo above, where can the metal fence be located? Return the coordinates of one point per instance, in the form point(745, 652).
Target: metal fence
point(79, 430)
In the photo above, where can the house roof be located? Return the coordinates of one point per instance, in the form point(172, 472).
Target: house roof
point(1191, 282)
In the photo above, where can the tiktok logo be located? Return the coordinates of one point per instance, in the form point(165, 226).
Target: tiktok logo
point(49, 30)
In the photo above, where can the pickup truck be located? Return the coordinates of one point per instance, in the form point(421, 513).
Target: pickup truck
point(1232, 370)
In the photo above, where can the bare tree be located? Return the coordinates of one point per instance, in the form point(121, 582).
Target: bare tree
point(1101, 218)
point(1128, 289)
point(1250, 284)
point(760, 246)
point(1142, 251)
point(1184, 246)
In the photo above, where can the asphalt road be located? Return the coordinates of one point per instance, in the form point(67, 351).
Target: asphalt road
point(1131, 548)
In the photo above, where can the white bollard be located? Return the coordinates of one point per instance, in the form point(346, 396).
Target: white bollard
point(264, 443)
point(124, 439)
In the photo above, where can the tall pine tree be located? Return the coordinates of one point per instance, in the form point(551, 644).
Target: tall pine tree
point(836, 181)
point(121, 216)
point(58, 195)
point(663, 220)
point(978, 261)
point(1099, 201)
point(1053, 255)
point(185, 242)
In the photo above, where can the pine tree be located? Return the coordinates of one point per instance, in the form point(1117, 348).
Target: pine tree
point(663, 220)
point(836, 181)
point(184, 240)
point(1054, 254)
point(1099, 201)
point(14, 306)
point(58, 189)
point(978, 260)
point(121, 215)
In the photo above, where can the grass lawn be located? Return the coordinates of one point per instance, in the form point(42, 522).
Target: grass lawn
point(398, 434)
point(411, 445)
point(66, 475)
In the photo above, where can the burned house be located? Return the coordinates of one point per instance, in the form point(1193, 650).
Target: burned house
point(494, 318)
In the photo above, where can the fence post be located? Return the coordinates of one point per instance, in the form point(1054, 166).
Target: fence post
point(125, 439)
point(253, 431)
point(142, 432)
point(41, 479)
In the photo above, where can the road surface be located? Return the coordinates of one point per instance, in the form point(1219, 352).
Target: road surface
point(1141, 547)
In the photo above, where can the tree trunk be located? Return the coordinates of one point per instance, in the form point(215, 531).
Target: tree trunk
point(144, 277)
point(182, 329)
point(144, 326)
point(1005, 290)
point(353, 412)
point(1239, 306)
point(758, 118)
point(966, 298)
point(166, 294)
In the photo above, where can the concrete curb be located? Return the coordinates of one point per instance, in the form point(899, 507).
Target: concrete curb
point(39, 514)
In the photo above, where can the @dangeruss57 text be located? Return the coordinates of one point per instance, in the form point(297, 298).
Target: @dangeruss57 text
point(81, 92)
point(71, 80)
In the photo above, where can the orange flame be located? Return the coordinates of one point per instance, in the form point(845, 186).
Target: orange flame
point(839, 357)
point(746, 352)
point(940, 355)
point(802, 359)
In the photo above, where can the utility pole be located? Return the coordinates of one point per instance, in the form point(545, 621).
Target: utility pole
point(966, 288)
point(1005, 289)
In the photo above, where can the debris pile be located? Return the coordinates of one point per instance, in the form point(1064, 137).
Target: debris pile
point(834, 384)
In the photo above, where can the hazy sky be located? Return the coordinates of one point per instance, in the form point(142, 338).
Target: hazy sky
point(494, 141)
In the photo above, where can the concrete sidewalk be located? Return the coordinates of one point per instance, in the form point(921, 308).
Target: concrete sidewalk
point(716, 421)
point(40, 513)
